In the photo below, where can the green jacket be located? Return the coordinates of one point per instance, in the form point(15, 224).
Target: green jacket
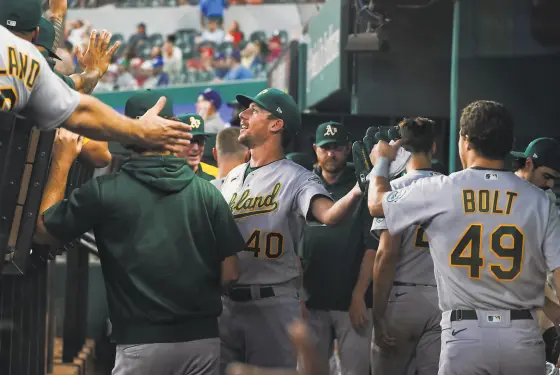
point(332, 255)
point(162, 235)
point(200, 173)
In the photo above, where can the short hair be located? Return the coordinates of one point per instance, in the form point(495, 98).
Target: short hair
point(285, 137)
point(417, 134)
point(227, 143)
point(488, 125)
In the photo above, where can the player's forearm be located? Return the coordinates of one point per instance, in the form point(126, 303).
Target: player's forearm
point(97, 121)
point(366, 273)
point(552, 311)
point(330, 213)
point(86, 81)
point(54, 193)
point(377, 187)
point(57, 16)
point(97, 153)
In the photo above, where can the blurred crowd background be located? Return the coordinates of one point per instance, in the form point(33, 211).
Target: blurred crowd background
point(211, 51)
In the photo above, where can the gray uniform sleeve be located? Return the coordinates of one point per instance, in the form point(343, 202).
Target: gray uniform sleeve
point(378, 225)
point(418, 203)
point(551, 243)
point(308, 186)
point(51, 101)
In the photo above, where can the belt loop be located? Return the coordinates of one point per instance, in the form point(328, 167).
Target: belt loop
point(459, 315)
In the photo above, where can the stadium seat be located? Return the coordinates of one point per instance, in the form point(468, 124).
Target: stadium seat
point(118, 37)
point(258, 35)
point(156, 39)
point(283, 35)
point(144, 50)
point(226, 47)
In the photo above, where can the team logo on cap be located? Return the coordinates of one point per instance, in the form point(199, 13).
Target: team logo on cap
point(194, 122)
point(11, 23)
point(331, 131)
point(263, 91)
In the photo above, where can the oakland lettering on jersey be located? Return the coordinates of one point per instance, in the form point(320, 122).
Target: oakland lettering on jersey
point(487, 202)
point(247, 205)
point(22, 67)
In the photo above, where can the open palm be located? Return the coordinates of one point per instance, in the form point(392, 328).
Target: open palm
point(97, 55)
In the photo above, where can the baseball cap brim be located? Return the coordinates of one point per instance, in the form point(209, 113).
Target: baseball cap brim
point(246, 101)
point(327, 141)
point(194, 134)
point(518, 154)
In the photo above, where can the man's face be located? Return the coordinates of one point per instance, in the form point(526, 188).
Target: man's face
point(332, 156)
point(194, 151)
point(204, 107)
point(542, 177)
point(140, 30)
point(254, 126)
point(212, 25)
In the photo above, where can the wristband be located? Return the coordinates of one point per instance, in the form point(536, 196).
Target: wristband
point(381, 168)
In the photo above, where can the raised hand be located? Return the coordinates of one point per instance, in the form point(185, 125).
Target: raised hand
point(97, 56)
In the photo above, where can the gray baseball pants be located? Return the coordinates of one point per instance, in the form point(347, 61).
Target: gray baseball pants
point(255, 331)
point(199, 357)
point(413, 318)
point(353, 346)
point(493, 344)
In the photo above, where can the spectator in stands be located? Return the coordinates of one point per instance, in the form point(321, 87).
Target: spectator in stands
point(204, 62)
point(208, 106)
point(194, 152)
point(228, 153)
point(125, 80)
point(236, 70)
point(78, 32)
point(251, 57)
point(140, 35)
point(235, 35)
point(212, 11)
point(220, 65)
point(212, 33)
point(274, 49)
point(172, 59)
point(107, 81)
point(158, 77)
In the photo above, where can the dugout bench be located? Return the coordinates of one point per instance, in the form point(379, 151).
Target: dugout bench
point(27, 343)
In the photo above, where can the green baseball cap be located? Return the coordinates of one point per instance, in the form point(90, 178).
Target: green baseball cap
point(46, 37)
point(331, 132)
point(279, 103)
point(20, 15)
point(137, 105)
point(543, 151)
point(195, 121)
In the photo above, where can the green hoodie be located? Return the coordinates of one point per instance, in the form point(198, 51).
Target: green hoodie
point(162, 233)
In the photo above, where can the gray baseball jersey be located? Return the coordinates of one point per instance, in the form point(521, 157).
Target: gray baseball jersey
point(218, 182)
point(415, 263)
point(270, 207)
point(29, 87)
point(492, 236)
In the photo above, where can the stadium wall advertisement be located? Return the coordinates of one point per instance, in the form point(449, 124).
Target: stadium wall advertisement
point(325, 59)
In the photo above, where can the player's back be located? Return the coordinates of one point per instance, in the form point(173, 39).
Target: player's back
point(415, 263)
point(487, 240)
point(19, 68)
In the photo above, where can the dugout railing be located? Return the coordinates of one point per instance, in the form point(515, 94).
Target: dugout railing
point(26, 281)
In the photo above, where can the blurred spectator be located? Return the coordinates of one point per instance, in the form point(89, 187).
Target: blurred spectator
point(252, 56)
point(78, 33)
point(158, 77)
point(212, 10)
point(139, 35)
point(235, 35)
point(212, 33)
point(274, 49)
point(208, 106)
point(172, 59)
point(107, 81)
point(125, 80)
point(236, 70)
point(220, 65)
point(204, 63)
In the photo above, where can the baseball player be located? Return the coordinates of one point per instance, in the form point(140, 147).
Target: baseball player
point(29, 88)
point(492, 237)
point(228, 153)
point(405, 305)
point(271, 199)
point(195, 150)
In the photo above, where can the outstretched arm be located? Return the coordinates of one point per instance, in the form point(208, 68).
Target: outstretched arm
point(330, 213)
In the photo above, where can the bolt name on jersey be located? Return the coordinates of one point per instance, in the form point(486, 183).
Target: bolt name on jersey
point(22, 67)
point(488, 201)
point(250, 206)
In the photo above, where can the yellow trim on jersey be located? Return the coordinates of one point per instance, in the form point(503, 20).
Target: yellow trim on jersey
point(86, 140)
point(210, 169)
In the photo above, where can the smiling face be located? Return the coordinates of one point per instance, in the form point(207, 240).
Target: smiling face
point(332, 156)
point(257, 126)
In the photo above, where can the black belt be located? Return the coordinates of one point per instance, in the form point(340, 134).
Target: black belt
point(457, 315)
point(243, 294)
point(398, 283)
